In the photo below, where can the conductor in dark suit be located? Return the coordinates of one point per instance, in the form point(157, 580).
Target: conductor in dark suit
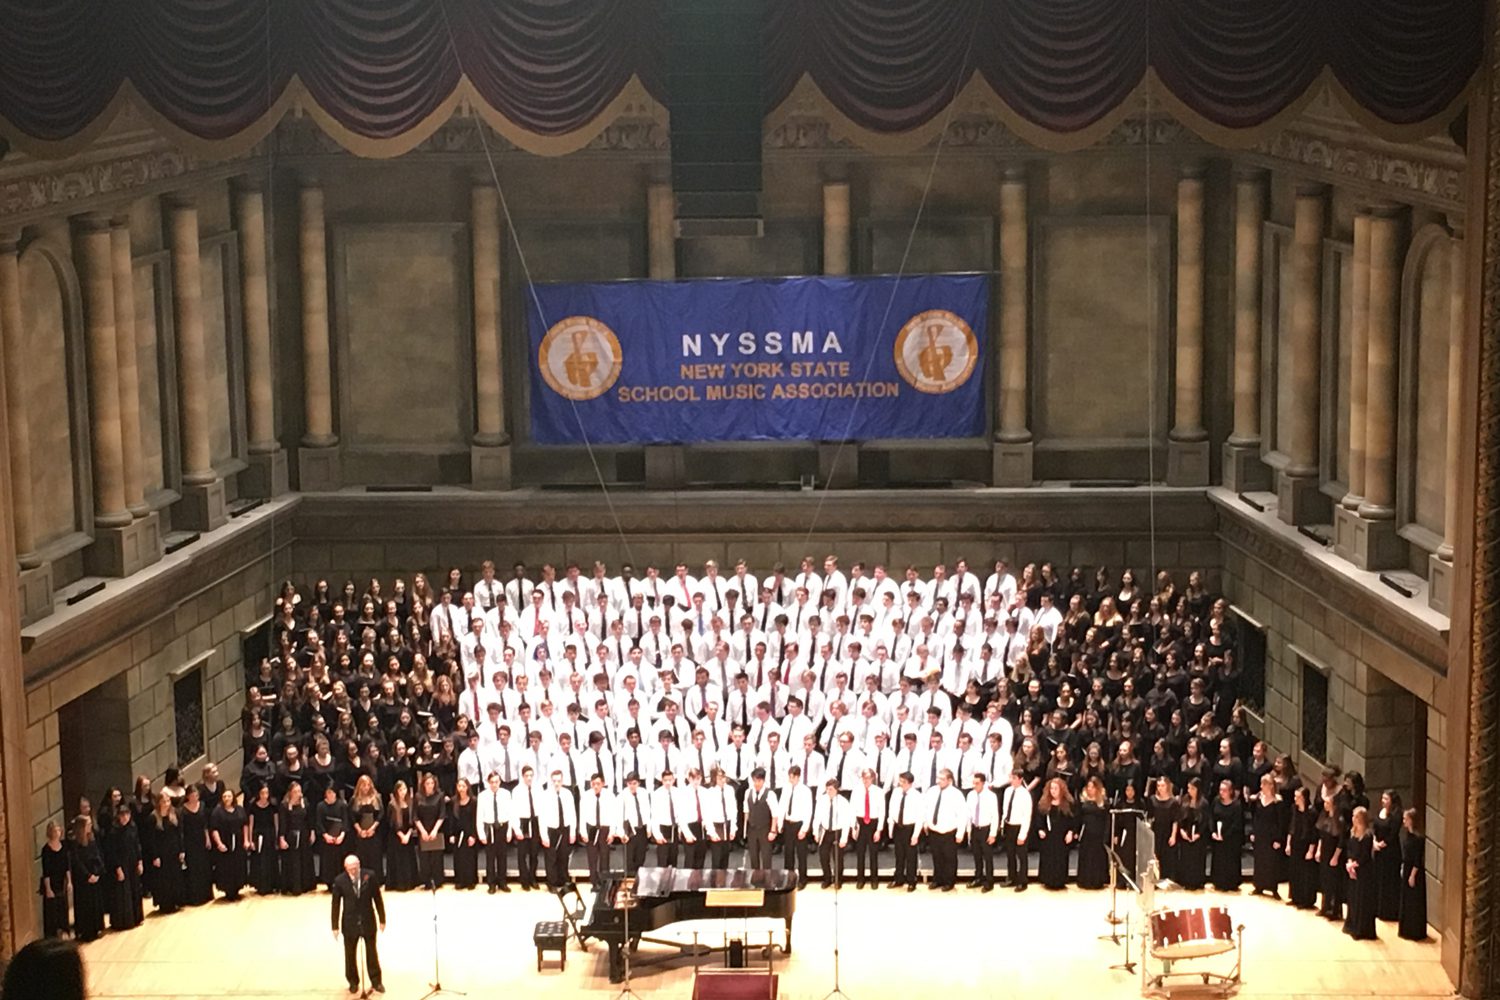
point(358, 893)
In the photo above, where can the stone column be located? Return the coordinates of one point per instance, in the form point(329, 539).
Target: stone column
point(489, 454)
point(202, 507)
point(666, 464)
point(266, 475)
point(35, 580)
point(1012, 455)
point(96, 277)
point(1346, 513)
point(1187, 444)
point(1243, 469)
point(1299, 499)
point(318, 459)
point(1440, 563)
point(143, 541)
point(1376, 544)
point(836, 227)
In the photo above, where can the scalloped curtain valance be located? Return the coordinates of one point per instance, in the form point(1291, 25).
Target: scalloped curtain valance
point(381, 75)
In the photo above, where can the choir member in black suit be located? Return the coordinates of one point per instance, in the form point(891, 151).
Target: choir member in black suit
point(294, 842)
point(1413, 924)
point(167, 855)
point(1330, 855)
point(1093, 836)
point(1191, 834)
point(331, 827)
point(1386, 829)
point(54, 883)
point(263, 842)
point(463, 832)
point(227, 827)
point(1302, 849)
point(1161, 809)
point(1054, 830)
point(1268, 827)
point(122, 855)
point(88, 881)
point(197, 848)
point(1226, 838)
point(1363, 893)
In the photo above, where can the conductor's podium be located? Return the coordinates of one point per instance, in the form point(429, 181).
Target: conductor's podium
point(734, 984)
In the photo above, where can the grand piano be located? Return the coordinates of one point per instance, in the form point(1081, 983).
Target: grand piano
point(665, 896)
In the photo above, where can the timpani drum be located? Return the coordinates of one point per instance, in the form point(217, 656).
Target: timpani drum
point(1191, 933)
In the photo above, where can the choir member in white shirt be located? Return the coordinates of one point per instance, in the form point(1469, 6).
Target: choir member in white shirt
point(947, 825)
point(598, 819)
point(597, 759)
point(774, 760)
point(1015, 826)
point(557, 823)
point(525, 803)
point(693, 810)
point(493, 821)
point(868, 806)
point(720, 819)
point(794, 820)
point(833, 821)
point(844, 764)
point(664, 756)
point(984, 829)
point(904, 812)
point(633, 822)
point(518, 589)
point(666, 824)
point(715, 728)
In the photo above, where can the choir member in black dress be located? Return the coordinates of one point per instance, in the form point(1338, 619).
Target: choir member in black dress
point(1054, 830)
point(1363, 893)
point(227, 829)
point(401, 843)
point(263, 842)
point(429, 817)
point(1302, 849)
point(294, 842)
point(463, 816)
point(1330, 856)
point(368, 816)
point(1124, 821)
point(1386, 829)
point(87, 873)
point(1191, 834)
point(122, 855)
point(1227, 838)
point(54, 883)
point(331, 825)
point(1161, 809)
point(1093, 836)
point(167, 855)
point(1268, 827)
point(197, 848)
point(1413, 925)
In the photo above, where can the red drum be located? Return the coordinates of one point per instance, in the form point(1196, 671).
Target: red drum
point(1191, 933)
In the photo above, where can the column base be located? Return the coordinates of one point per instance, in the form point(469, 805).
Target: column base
point(1011, 463)
point(127, 550)
point(319, 470)
point(266, 475)
point(35, 586)
point(201, 507)
point(1373, 545)
point(1299, 501)
point(666, 466)
point(1243, 470)
point(1344, 520)
point(1440, 585)
point(838, 465)
point(1187, 463)
point(489, 467)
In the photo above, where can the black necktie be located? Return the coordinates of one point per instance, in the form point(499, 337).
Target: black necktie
point(901, 811)
point(937, 806)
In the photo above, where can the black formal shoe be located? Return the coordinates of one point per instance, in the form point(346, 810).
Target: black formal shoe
point(353, 987)
point(380, 987)
point(492, 890)
point(502, 888)
point(987, 888)
point(897, 884)
point(974, 883)
point(947, 888)
point(1020, 888)
point(827, 883)
point(911, 887)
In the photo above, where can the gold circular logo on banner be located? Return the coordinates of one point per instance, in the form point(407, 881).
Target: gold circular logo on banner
point(580, 358)
point(936, 351)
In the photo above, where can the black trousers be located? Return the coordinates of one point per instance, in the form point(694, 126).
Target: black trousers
point(559, 853)
point(831, 857)
point(757, 849)
point(697, 851)
point(944, 858)
point(866, 849)
point(906, 855)
point(526, 852)
point(666, 854)
point(494, 854)
point(597, 849)
point(1016, 861)
point(794, 849)
point(351, 958)
point(984, 855)
point(718, 850)
point(635, 851)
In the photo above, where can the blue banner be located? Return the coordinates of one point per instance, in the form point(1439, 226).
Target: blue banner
point(668, 362)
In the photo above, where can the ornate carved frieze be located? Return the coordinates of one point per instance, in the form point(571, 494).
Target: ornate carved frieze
point(1400, 176)
point(50, 189)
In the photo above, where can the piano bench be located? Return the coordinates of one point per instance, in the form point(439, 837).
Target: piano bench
point(551, 935)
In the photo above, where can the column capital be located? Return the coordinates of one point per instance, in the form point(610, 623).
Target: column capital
point(1251, 175)
point(308, 179)
point(120, 222)
point(247, 184)
point(1456, 226)
point(835, 172)
point(1312, 189)
point(1386, 210)
point(90, 222)
point(1015, 173)
point(181, 201)
point(1193, 170)
point(10, 241)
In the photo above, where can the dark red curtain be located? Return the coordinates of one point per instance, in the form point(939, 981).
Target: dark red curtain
point(378, 68)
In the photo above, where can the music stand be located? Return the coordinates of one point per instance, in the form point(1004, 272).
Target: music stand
point(435, 988)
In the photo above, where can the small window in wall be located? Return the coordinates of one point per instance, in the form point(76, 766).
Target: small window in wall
point(187, 710)
point(1250, 657)
point(1314, 712)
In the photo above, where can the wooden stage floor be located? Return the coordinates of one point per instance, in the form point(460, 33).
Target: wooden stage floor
point(893, 943)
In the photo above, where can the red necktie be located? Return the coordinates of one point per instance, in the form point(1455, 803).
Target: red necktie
point(867, 805)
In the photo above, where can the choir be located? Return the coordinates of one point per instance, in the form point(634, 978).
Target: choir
point(679, 720)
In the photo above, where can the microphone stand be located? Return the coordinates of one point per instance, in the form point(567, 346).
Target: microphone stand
point(627, 902)
point(435, 988)
point(838, 887)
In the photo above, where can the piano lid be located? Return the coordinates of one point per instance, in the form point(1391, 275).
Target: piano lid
point(655, 883)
